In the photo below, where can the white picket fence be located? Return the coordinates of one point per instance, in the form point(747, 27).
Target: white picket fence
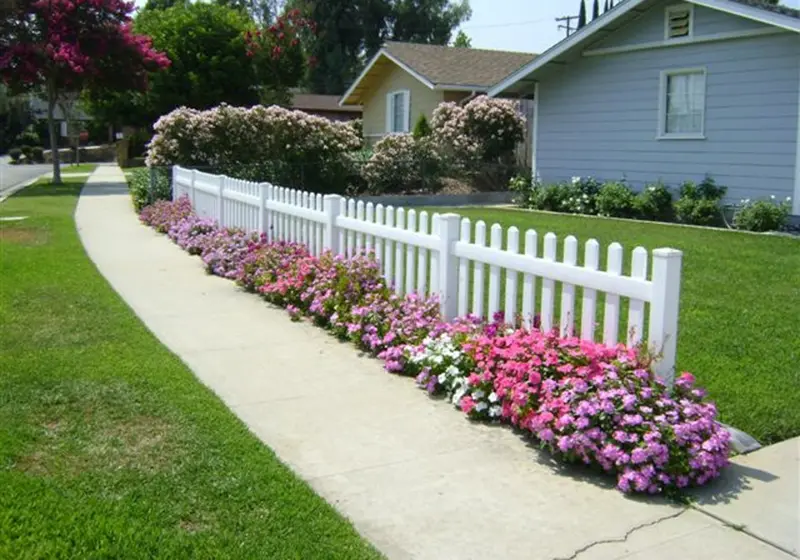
point(447, 255)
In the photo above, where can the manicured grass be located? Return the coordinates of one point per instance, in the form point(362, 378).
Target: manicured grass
point(740, 305)
point(109, 447)
point(80, 168)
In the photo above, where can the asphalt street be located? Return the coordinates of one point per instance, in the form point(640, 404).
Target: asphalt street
point(13, 175)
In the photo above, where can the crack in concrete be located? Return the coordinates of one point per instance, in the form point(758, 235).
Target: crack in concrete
point(624, 538)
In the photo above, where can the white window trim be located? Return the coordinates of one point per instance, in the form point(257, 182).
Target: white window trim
point(674, 8)
point(390, 110)
point(661, 133)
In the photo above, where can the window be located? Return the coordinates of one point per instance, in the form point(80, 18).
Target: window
point(398, 111)
point(679, 21)
point(683, 103)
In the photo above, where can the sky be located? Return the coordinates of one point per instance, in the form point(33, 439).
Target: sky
point(521, 25)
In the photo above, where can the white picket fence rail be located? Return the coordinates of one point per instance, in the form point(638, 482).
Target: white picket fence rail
point(447, 255)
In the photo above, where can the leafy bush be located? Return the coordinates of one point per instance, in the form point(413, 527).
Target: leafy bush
point(15, 154)
point(581, 400)
point(616, 200)
point(273, 144)
point(143, 192)
point(27, 151)
point(582, 195)
point(700, 204)
point(654, 202)
point(421, 128)
point(401, 164)
point(29, 137)
point(37, 154)
point(762, 215)
point(482, 131)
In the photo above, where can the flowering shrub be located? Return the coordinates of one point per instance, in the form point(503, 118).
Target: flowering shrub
point(401, 163)
point(257, 143)
point(583, 401)
point(654, 202)
point(483, 130)
point(762, 215)
point(616, 200)
point(699, 204)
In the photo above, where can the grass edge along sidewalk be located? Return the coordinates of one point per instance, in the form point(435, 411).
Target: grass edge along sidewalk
point(109, 446)
point(740, 299)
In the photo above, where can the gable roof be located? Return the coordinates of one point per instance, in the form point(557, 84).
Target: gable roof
point(319, 102)
point(442, 67)
point(609, 22)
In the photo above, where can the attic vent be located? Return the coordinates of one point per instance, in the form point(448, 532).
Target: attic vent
point(679, 21)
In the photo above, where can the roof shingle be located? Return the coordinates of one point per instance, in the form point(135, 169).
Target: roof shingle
point(456, 66)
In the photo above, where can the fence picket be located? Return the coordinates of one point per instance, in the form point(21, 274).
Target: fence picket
point(494, 272)
point(636, 306)
point(512, 277)
point(306, 223)
point(567, 315)
point(399, 252)
point(529, 283)
point(548, 285)
point(342, 247)
point(369, 242)
point(611, 314)
point(463, 271)
point(434, 257)
point(379, 219)
point(591, 261)
point(351, 235)
point(388, 254)
point(422, 257)
point(479, 269)
point(411, 225)
point(360, 236)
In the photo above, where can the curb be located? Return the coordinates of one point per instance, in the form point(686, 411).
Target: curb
point(18, 187)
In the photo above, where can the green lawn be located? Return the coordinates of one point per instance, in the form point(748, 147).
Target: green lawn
point(79, 168)
point(109, 447)
point(740, 309)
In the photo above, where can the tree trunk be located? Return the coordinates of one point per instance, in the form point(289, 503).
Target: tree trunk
point(51, 127)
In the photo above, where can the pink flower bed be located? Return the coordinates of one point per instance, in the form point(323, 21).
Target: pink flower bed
point(582, 401)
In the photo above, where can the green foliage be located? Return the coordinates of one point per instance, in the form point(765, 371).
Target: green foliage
point(27, 151)
point(15, 154)
point(616, 200)
point(427, 21)
point(146, 189)
point(29, 137)
point(206, 44)
point(37, 154)
point(699, 204)
point(762, 215)
point(654, 202)
point(421, 127)
point(462, 40)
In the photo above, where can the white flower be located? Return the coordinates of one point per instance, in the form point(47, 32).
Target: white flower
point(493, 397)
point(495, 411)
point(479, 394)
point(481, 406)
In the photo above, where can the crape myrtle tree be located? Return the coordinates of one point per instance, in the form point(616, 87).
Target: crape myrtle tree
point(58, 47)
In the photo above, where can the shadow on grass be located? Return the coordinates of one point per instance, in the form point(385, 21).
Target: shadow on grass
point(72, 188)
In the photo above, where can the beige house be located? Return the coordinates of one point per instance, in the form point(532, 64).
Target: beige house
point(406, 80)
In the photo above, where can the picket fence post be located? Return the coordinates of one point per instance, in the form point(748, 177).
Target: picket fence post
point(332, 206)
point(262, 207)
point(664, 307)
point(192, 190)
point(221, 202)
point(449, 233)
point(175, 195)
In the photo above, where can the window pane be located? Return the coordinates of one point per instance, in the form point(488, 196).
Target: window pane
point(685, 101)
point(398, 113)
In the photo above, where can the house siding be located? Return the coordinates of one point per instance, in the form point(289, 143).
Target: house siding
point(599, 115)
point(649, 27)
point(423, 101)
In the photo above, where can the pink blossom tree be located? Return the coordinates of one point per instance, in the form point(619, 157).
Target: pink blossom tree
point(58, 47)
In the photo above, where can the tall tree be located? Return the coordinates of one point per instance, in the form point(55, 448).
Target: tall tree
point(582, 15)
point(462, 40)
point(63, 46)
point(596, 9)
point(427, 21)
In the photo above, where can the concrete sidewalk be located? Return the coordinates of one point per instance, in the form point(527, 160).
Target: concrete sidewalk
point(416, 478)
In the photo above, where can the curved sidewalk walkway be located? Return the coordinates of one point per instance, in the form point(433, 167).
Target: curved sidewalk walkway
point(416, 478)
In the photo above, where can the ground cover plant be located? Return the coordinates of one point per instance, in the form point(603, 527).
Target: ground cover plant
point(109, 446)
point(580, 400)
point(739, 302)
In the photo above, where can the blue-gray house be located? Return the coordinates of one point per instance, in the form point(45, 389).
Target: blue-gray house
point(659, 89)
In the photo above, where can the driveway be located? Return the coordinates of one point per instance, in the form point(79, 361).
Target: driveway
point(12, 175)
